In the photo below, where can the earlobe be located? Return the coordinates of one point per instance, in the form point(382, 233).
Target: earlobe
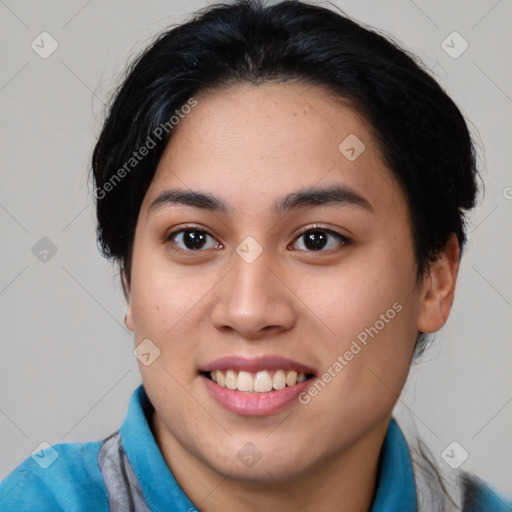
point(128, 319)
point(439, 288)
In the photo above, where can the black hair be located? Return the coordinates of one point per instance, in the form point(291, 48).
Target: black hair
point(421, 134)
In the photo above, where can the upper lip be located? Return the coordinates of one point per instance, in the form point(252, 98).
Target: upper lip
point(255, 364)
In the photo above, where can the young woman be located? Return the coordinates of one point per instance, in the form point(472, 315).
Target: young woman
point(285, 192)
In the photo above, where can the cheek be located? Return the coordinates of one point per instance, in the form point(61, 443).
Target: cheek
point(371, 312)
point(162, 296)
point(160, 314)
point(353, 297)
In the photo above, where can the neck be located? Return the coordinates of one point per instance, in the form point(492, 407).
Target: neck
point(345, 482)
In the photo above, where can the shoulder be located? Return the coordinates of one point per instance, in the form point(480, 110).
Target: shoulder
point(453, 490)
point(479, 496)
point(62, 477)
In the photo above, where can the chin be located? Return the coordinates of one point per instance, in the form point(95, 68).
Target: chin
point(259, 466)
point(262, 472)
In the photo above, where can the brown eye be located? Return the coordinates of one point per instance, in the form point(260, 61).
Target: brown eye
point(321, 240)
point(192, 239)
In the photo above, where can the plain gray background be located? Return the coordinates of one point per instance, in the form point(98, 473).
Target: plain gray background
point(67, 368)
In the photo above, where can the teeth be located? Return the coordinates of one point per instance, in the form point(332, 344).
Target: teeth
point(221, 378)
point(259, 382)
point(231, 379)
point(301, 377)
point(279, 380)
point(262, 382)
point(245, 381)
point(291, 378)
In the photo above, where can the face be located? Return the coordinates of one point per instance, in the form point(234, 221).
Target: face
point(285, 272)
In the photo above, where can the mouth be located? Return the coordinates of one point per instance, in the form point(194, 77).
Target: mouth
point(256, 387)
point(262, 381)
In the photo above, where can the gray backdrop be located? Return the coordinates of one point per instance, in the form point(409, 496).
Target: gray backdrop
point(67, 368)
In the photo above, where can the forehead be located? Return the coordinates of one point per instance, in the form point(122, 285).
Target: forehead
point(259, 142)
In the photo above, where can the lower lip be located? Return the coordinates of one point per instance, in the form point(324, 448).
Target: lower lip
point(255, 404)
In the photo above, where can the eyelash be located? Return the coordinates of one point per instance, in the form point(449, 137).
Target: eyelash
point(343, 240)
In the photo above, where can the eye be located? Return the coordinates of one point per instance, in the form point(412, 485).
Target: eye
point(192, 239)
point(317, 239)
point(322, 240)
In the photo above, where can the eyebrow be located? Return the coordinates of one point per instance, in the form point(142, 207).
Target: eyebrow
point(303, 198)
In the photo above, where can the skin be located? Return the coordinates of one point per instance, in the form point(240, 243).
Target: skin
point(248, 145)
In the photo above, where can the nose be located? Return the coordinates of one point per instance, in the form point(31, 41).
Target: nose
point(254, 300)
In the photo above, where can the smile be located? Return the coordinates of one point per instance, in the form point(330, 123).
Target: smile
point(258, 386)
point(263, 381)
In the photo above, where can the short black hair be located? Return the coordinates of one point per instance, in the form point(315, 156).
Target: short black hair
point(421, 133)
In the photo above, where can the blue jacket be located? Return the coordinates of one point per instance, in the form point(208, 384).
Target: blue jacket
point(126, 472)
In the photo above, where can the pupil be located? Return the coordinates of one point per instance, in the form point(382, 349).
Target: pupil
point(194, 239)
point(310, 242)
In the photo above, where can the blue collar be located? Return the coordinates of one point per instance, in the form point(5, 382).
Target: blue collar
point(396, 489)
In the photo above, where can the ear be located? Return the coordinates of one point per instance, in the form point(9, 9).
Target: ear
point(128, 319)
point(438, 288)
